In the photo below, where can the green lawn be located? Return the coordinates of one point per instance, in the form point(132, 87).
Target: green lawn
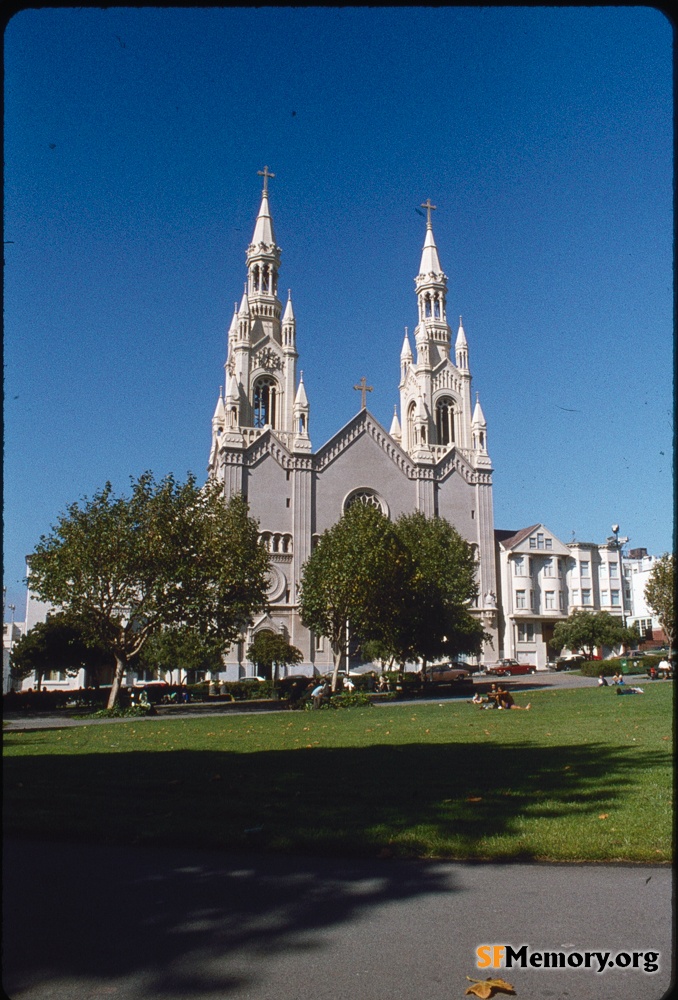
point(585, 775)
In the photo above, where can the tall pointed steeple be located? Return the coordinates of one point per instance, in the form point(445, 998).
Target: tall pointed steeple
point(263, 229)
point(261, 365)
point(263, 260)
point(429, 255)
point(432, 334)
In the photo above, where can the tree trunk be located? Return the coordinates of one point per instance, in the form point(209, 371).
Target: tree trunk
point(120, 667)
point(336, 656)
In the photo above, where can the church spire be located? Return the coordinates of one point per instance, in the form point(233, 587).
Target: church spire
point(431, 288)
point(263, 258)
point(429, 255)
point(263, 229)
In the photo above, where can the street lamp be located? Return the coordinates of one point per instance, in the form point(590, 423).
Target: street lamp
point(619, 544)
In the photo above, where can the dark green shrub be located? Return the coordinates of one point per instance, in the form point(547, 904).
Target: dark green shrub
point(594, 668)
point(350, 699)
point(121, 713)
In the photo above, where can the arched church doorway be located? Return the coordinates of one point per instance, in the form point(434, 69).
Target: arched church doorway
point(264, 670)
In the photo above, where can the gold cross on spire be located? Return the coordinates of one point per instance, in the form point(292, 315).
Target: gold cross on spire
point(265, 173)
point(364, 388)
point(428, 206)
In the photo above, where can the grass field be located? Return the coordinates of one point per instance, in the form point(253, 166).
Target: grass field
point(584, 776)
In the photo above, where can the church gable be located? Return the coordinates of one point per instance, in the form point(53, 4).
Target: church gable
point(363, 424)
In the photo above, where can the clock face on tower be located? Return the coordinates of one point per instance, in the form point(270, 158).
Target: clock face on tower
point(268, 360)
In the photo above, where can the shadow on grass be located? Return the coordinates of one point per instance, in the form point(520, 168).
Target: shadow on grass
point(413, 799)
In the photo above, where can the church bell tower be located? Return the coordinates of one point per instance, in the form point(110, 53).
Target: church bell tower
point(260, 384)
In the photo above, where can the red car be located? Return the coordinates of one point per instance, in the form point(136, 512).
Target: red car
point(508, 668)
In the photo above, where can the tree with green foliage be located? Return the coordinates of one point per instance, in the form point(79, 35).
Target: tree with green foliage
point(169, 554)
point(271, 650)
point(660, 592)
point(58, 644)
point(354, 581)
point(440, 592)
point(181, 649)
point(588, 630)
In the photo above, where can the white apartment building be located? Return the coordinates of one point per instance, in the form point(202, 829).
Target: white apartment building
point(637, 568)
point(541, 581)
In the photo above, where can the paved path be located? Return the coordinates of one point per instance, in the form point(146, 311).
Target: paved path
point(533, 682)
point(84, 922)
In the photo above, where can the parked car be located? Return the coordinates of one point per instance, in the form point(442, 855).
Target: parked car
point(446, 673)
point(569, 662)
point(509, 668)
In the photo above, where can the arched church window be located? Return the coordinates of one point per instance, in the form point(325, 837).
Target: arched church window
point(411, 430)
point(255, 277)
point(427, 305)
point(265, 274)
point(367, 497)
point(436, 307)
point(264, 401)
point(445, 420)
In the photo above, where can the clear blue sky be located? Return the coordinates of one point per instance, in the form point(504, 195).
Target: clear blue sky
point(544, 136)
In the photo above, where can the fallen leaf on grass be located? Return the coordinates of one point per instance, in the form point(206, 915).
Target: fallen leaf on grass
point(485, 988)
point(603, 816)
point(474, 798)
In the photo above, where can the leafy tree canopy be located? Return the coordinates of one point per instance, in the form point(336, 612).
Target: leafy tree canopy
point(356, 574)
point(58, 644)
point(404, 588)
point(586, 630)
point(272, 650)
point(169, 554)
point(181, 649)
point(440, 591)
point(660, 594)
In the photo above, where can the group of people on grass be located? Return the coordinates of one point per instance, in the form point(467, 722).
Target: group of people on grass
point(498, 697)
point(619, 682)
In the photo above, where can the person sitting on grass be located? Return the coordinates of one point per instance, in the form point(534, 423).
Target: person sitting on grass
point(602, 681)
point(478, 699)
point(506, 701)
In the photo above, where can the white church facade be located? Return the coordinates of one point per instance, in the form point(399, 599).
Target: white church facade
point(433, 458)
